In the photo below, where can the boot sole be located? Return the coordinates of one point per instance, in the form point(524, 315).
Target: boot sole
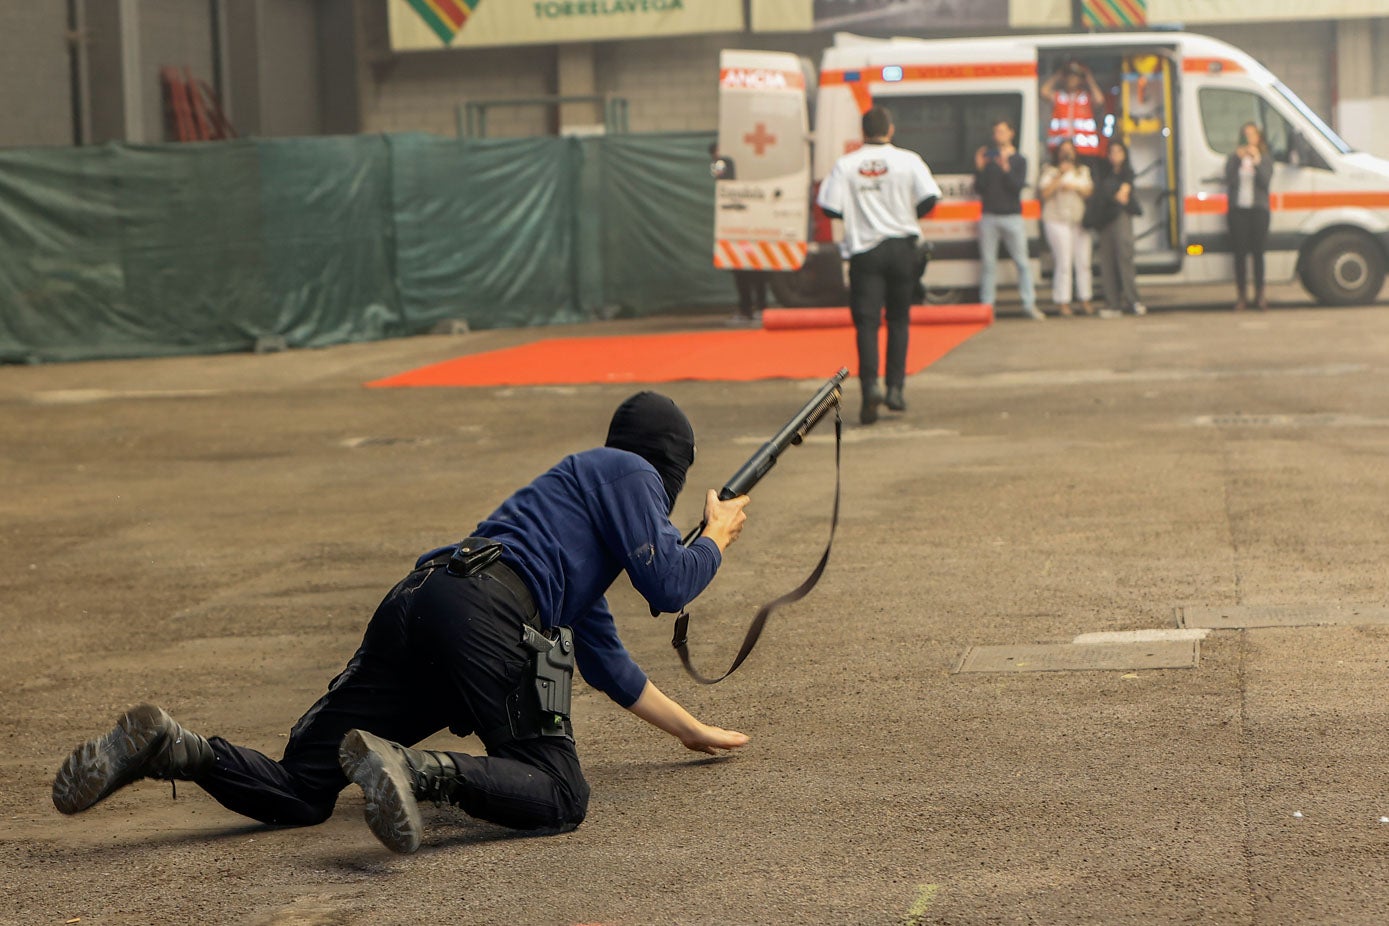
point(391, 809)
point(101, 766)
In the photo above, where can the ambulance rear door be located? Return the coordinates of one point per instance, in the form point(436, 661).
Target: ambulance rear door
point(762, 163)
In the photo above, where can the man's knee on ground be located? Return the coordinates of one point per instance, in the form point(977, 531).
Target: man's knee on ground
point(307, 812)
point(575, 808)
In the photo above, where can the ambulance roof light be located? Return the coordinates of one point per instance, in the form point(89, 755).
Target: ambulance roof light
point(893, 72)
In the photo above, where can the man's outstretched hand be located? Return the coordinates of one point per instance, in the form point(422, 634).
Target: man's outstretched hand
point(711, 740)
point(660, 711)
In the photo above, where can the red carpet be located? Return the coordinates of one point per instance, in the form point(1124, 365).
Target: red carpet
point(733, 356)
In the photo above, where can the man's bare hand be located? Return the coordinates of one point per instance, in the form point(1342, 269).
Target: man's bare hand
point(660, 711)
point(710, 740)
point(723, 521)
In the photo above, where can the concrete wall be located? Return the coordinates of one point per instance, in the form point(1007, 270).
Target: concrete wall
point(1302, 54)
point(35, 87)
point(297, 67)
point(275, 67)
point(272, 59)
point(671, 84)
point(421, 91)
point(291, 91)
point(172, 33)
point(342, 72)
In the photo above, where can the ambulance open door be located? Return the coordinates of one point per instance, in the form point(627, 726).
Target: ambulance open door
point(762, 163)
point(1139, 90)
point(1147, 121)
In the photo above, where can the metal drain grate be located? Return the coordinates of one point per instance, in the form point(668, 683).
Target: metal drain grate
point(1236, 617)
point(1080, 657)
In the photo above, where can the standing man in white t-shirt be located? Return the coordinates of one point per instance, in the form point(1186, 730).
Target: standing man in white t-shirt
point(880, 192)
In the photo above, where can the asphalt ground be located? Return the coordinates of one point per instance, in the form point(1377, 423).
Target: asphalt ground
point(212, 533)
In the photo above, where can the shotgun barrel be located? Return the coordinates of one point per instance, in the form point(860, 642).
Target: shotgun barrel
point(791, 434)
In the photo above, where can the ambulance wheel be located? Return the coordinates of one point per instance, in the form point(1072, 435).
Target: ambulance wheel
point(1344, 268)
point(820, 281)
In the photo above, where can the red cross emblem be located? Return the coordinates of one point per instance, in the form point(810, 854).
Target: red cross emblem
point(760, 139)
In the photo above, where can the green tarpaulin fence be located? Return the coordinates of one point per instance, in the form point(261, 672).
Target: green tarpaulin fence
point(125, 250)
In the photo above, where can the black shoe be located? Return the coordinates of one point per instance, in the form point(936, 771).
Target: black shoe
point(146, 743)
point(872, 398)
point(895, 400)
point(392, 777)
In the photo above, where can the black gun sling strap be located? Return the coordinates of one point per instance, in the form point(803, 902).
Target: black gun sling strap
point(682, 622)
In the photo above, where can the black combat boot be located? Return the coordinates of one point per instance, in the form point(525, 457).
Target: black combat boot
point(872, 398)
point(146, 743)
point(895, 399)
point(393, 778)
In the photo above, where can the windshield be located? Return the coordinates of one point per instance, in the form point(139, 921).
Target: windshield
point(1313, 118)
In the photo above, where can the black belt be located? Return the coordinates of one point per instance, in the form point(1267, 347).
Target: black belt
point(502, 573)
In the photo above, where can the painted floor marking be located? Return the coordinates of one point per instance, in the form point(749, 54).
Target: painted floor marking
point(1142, 636)
point(1068, 657)
point(1234, 617)
point(925, 895)
point(83, 396)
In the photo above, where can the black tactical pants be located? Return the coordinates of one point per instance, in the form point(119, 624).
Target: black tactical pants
point(440, 651)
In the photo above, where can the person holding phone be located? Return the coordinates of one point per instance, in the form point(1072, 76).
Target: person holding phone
point(1065, 185)
point(1248, 172)
point(1111, 213)
point(1000, 174)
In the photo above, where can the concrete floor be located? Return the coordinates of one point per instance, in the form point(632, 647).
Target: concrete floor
point(212, 533)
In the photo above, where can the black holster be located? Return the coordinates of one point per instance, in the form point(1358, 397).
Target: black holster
point(552, 675)
point(540, 704)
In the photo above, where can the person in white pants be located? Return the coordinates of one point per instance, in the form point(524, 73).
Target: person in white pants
point(1065, 185)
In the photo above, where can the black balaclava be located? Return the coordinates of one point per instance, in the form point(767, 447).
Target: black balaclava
point(655, 429)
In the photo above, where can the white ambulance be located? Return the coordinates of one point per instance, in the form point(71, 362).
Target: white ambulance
point(1177, 99)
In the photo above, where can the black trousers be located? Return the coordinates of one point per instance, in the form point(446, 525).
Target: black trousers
point(883, 277)
point(1248, 238)
point(440, 651)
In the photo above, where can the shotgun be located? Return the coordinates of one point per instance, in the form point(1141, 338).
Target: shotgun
point(791, 434)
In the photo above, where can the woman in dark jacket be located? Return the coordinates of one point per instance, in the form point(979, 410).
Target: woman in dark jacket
point(1111, 211)
point(1248, 171)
